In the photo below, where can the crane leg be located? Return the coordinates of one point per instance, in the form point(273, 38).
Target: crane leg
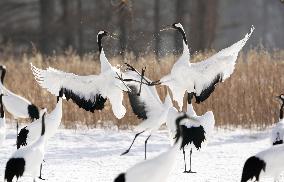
point(17, 132)
point(146, 146)
point(190, 171)
point(132, 143)
point(40, 177)
point(183, 151)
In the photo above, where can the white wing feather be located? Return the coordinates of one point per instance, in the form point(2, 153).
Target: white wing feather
point(86, 87)
point(2, 130)
point(15, 104)
point(222, 62)
point(53, 80)
point(156, 169)
point(196, 77)
point(207, 121)
point(52, 122)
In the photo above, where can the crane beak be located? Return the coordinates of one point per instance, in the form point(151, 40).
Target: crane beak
point(168, 27)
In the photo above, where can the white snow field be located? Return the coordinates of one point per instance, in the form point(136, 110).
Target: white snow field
point(94, 155)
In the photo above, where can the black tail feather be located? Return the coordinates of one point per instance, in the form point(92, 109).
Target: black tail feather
point(14, 167)
point(252, 169)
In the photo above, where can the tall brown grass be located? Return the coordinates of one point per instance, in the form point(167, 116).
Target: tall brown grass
point(246, 99)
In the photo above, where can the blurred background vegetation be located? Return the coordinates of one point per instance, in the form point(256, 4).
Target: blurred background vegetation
point(54, 26)
point(62, 34)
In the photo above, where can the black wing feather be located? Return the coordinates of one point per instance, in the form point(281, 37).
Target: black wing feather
point(138, 106)
point(22, 137)
point(89, 105)
point(206, 92)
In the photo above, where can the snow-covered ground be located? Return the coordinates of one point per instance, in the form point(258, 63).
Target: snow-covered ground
point(94, 155)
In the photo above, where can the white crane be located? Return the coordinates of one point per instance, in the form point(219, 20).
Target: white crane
point(31, 132)
point(16, 105)
point(2, 122)
point(146, 104)
point(268, 162)
point(27, 160)
point(88, 92)
point(200, 78)
point(158, 168)
point(278, 130)
point(196, 132)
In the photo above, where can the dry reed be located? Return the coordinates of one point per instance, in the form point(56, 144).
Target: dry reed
point(246, 99)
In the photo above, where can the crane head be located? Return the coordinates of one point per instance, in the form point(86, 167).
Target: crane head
point(101, 34)
point(281, 98)
point(177, 25)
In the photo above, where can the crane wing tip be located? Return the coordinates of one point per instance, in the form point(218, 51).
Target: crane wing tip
point(252, 28)
point(251, 31)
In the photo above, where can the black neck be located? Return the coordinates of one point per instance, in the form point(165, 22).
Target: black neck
point(60, 94)
point(1, 107)
point(190, 97)
point(100, 37)
point(183, 34)
point(281, 111)
point(43, 125)
point(179, 128)
point(3, 73)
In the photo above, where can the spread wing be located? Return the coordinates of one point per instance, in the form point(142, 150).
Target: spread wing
point(216, 68)
point(88, 92)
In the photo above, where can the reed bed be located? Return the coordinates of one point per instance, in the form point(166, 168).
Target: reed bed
point(246, 99)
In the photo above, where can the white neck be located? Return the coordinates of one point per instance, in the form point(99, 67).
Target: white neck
point(2, 122)
point(105, 65)
point(190, 110)
point(168, 158)
point(59, 103)
point(4, 89)
point(40, 142)
point(58, 107)
point(185, 54)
